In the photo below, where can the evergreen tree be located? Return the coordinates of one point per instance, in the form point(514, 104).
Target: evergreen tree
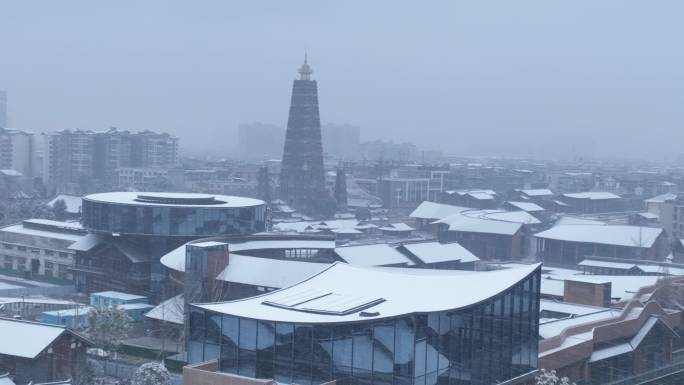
point(107, 327)
point(59, 209)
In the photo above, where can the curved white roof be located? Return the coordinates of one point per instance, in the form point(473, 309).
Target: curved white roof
point(132, 198)
point(391, 292)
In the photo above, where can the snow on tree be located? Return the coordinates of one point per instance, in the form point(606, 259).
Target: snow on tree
point(549, 377)
point(151, 373)
point(108, 326)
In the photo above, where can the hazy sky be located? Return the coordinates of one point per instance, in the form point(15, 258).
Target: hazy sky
point(539, 78)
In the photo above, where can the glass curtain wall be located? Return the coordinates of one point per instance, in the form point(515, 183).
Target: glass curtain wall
point(493, 341)
point(181, 221)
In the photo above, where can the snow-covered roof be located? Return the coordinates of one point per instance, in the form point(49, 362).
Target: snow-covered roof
point(119, 295)
point(619, 235)
point(626, 347)
point(5, 379)
point(648, 215)
point(172, 310)
point(135, 306)
point(400, 226)
point(571, 309)
point(607, 264)
point(42, 232)
point(662, 198)
point(87, 243)
point(489, 221)
point(592, 195)
point(175, 259)
point(380, 254)
point(26, 339)
point(80, 311)
point(570, 220)
point(397, 227)
point(435, 252)
point(67, 225)
point(268, 272)
point(537, 192)
point(347, 231)
point(432, 210)
point(481, 195)
point(328, 297)
point(10, 172)
point(73, 203)
point(526, 206)
point(174, 199)
point(554, 328)
point(35, 300)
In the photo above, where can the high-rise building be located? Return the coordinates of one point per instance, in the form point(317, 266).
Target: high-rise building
point(16, 148)
point(74, 159)
point(68, 159)
point(302, 178)
point(153, 149)
point(3, 109)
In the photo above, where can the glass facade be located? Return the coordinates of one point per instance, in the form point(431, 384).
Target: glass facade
point(172, 221)
point(483, 344)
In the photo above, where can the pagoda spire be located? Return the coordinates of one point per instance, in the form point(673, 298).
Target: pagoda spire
point(305, 70)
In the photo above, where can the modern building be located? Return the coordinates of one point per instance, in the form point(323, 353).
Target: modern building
point(302, 176)
point(34, 352)
point(16, 149)
point(40, 247)
point(361, 325)
point(129, 232)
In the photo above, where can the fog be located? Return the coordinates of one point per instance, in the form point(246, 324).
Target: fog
point(511, 78)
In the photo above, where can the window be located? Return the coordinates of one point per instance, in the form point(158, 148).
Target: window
point(8, 262)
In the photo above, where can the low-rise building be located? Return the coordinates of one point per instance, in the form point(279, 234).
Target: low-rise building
point(593, 202)
point(40, 353)
point(571, 243)
point(40, 247)
point(490, 234)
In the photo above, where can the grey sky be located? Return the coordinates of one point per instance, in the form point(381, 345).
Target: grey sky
point(538, 78)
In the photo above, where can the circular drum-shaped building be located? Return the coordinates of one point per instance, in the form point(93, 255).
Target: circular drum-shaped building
point(172, 214)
